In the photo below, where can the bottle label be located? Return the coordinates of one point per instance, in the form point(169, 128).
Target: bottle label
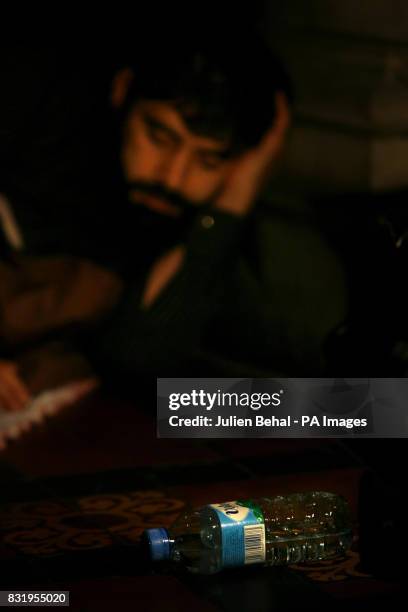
point(242, 533)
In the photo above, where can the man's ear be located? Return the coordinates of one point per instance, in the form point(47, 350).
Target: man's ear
point(120, 86)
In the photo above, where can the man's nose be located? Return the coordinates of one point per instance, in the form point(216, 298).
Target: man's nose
point(174, 170)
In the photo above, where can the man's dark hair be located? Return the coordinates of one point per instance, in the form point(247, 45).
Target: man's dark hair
point(223, 86)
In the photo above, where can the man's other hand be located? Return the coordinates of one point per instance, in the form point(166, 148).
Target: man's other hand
point(14, 395)
point(163, 270)
point(250, 172)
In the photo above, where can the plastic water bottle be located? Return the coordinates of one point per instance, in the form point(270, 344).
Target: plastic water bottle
point(280, 530)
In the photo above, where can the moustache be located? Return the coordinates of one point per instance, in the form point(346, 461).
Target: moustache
point(161, 192)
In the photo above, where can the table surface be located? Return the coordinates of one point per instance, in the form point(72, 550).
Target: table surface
point(79, 489)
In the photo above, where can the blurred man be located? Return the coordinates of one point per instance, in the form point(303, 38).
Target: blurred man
point(201, 133)
point(157, 186)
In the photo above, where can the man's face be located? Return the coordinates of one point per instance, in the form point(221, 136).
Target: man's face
point(168, 168)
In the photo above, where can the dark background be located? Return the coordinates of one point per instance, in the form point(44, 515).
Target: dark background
point(340, 193)
point(345, 169)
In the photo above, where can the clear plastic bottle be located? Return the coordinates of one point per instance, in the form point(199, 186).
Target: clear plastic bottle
point(279, 530)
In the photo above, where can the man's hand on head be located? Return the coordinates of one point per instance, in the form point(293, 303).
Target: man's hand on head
point(252, 169)
point(14, 395)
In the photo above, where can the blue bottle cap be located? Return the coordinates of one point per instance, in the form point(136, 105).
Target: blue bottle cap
point(159, 543)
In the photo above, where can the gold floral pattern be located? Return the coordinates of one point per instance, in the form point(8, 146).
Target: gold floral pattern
point(49, 528)
point(98, 521)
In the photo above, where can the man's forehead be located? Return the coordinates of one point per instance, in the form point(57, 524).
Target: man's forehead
point(165, 114)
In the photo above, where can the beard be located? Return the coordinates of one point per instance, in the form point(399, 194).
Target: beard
point(177, 222)
point(160, 231)
point(161, 192)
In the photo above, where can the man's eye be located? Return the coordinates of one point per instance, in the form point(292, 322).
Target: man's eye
point(159, 136)
point(211, 162)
